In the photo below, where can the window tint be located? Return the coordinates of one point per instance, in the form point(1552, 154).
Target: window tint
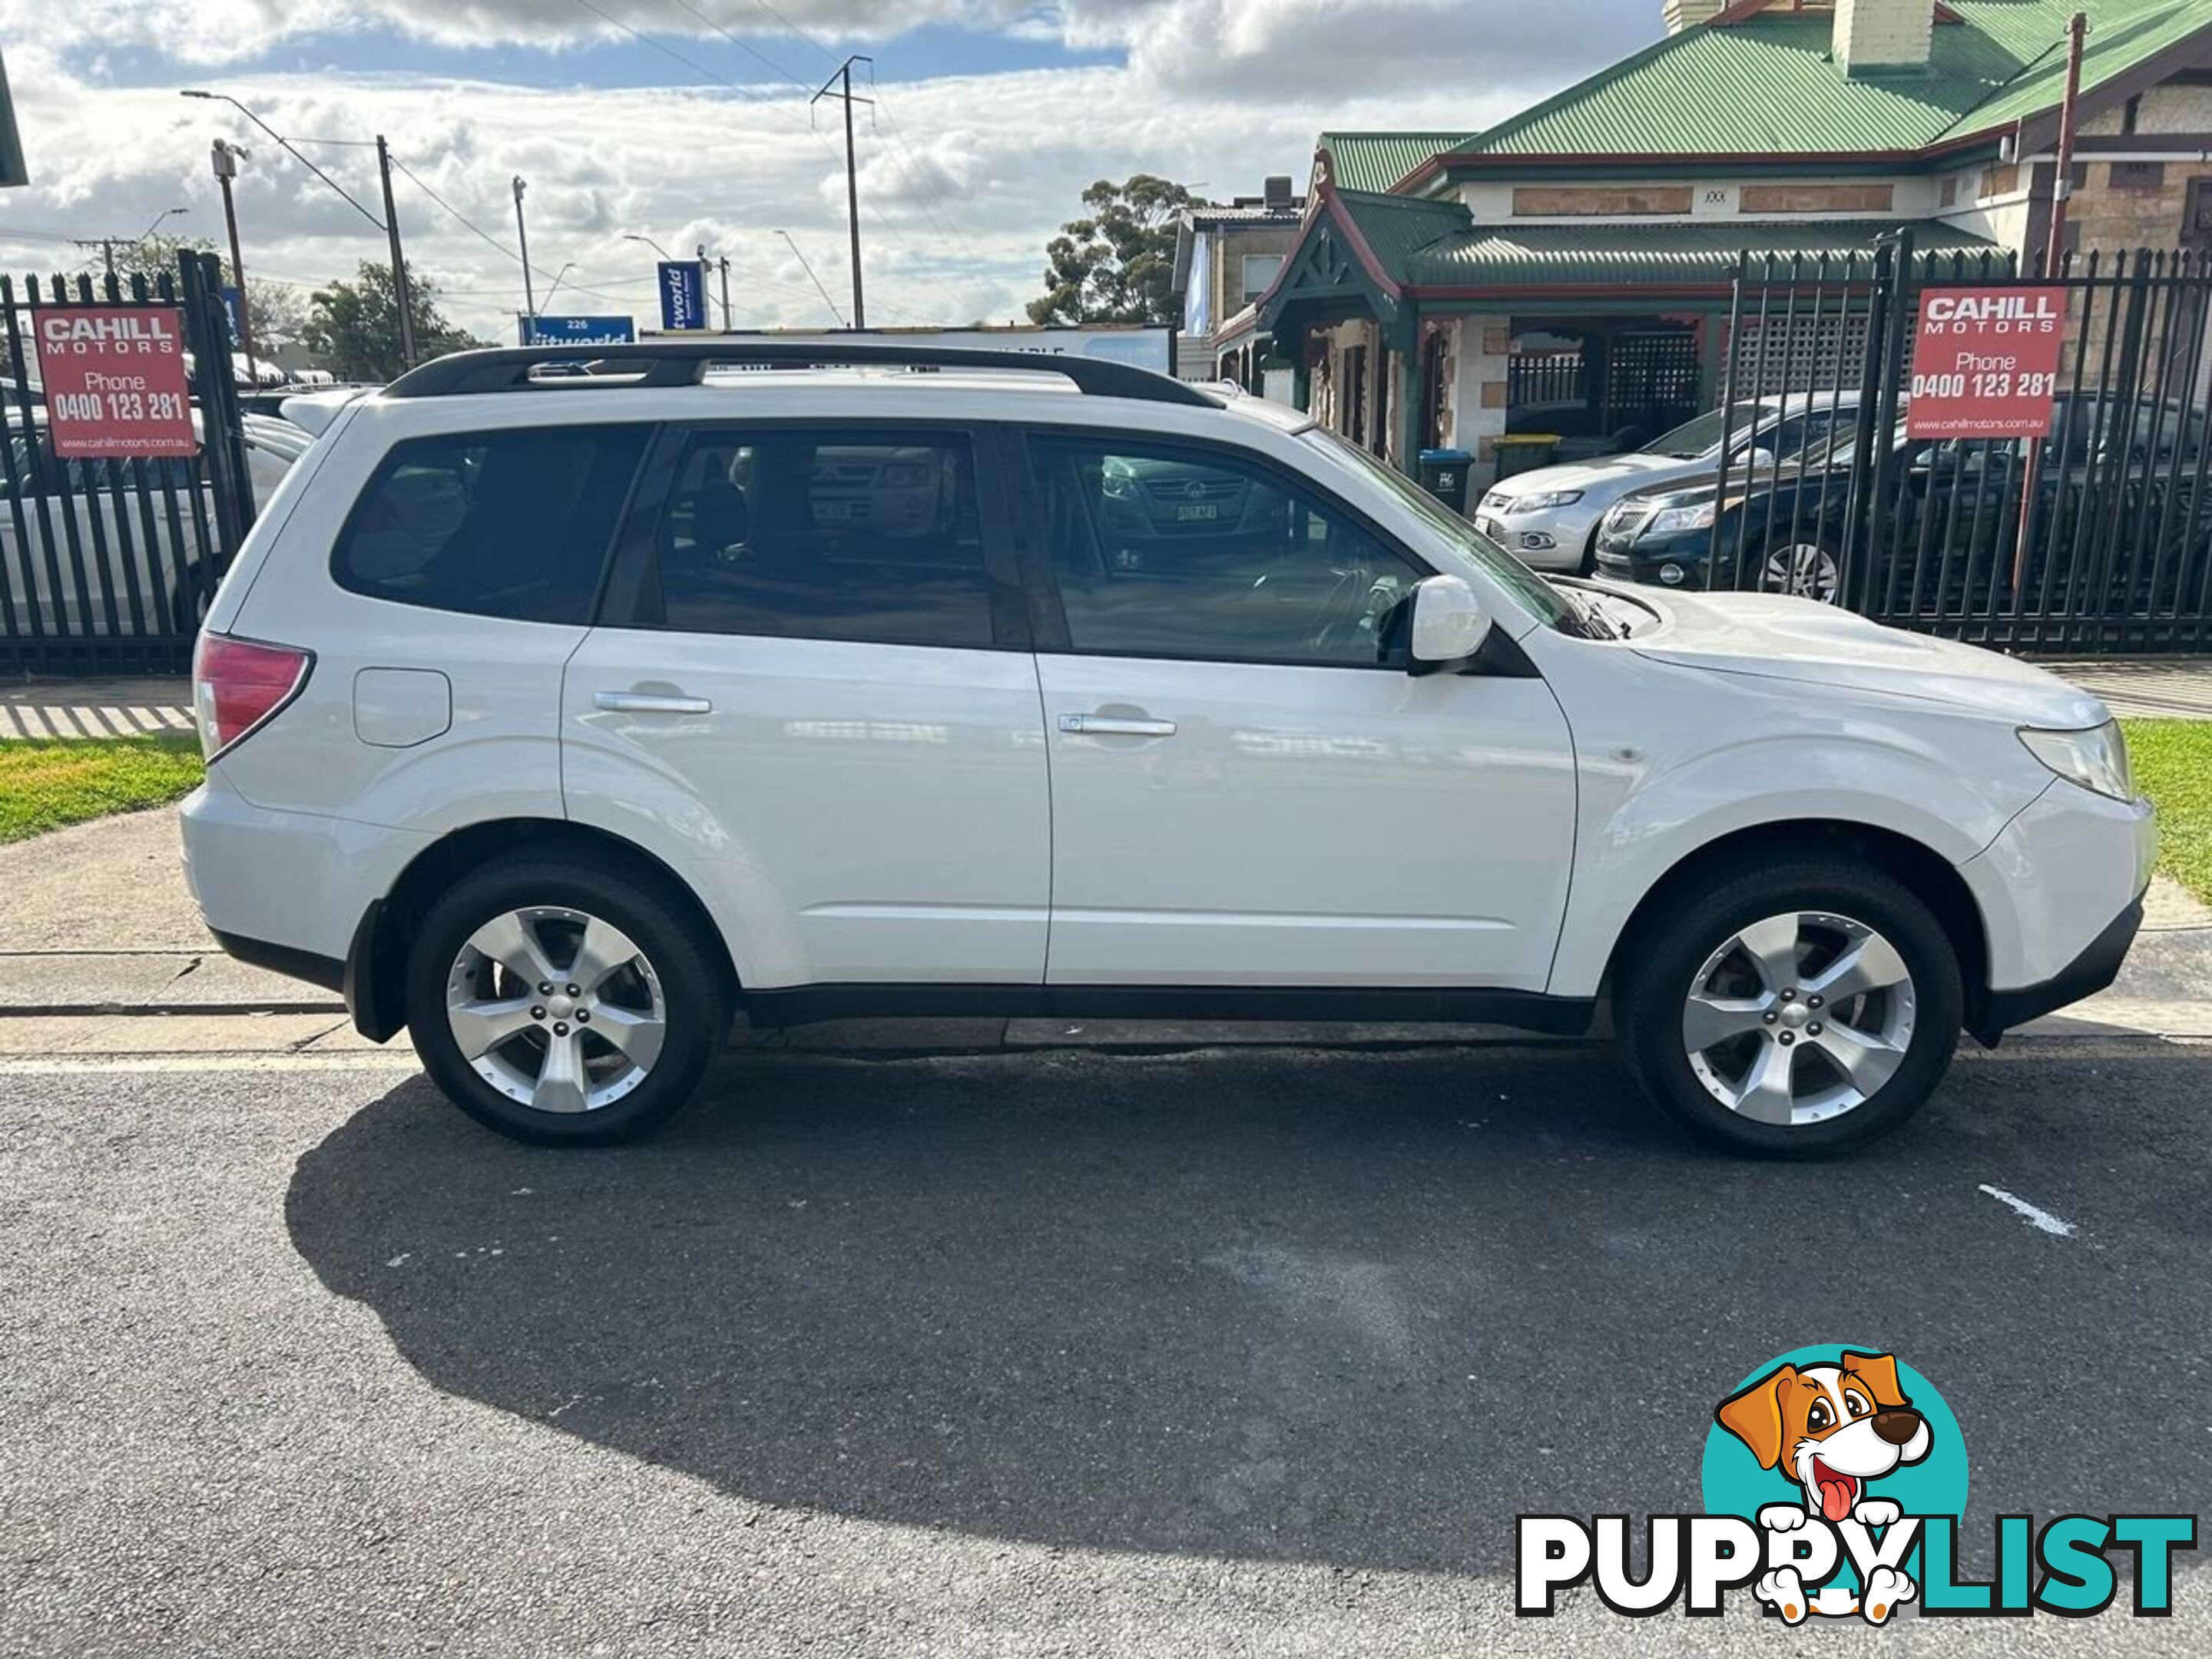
point(510, 523)
point(1201, 554)
point(859, 534)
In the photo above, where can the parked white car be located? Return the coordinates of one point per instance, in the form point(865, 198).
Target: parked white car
point(554, 724)
point(166, 562)
point(1549, 517)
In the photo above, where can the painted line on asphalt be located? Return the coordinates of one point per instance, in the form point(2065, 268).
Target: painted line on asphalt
point(2042, 1220)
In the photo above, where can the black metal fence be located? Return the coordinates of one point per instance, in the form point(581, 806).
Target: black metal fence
point(107, 565)
point(2097, 538)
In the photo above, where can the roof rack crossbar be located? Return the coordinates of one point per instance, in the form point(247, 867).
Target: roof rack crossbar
point(684, 363)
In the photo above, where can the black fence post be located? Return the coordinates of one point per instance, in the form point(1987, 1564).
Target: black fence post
point(207, 332)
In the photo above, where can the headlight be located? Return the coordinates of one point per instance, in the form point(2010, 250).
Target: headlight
point(1549, 498)
point(1683, 518)
point(2097, 759)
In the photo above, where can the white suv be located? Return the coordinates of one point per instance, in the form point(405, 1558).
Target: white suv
point(556, 719)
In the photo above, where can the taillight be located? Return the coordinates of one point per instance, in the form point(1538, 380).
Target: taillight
point(239, 683)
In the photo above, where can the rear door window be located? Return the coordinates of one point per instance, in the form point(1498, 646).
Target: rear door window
point(513, 523)
point(860, 533)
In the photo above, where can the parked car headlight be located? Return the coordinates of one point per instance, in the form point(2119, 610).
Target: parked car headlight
point(2097, 759)
point(1544, 500)
point(1118, 478)
point(1682, 518)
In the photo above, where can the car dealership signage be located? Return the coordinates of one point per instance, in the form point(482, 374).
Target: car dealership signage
point(683, 294)
point(578, 331)
point(115, 380)
point(1985, 362)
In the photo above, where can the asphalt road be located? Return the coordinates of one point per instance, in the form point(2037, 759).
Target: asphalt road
point(1222, 1353)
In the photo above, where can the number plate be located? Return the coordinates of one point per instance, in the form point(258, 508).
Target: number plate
point(836, 512)
point(1485, 525)
point(1189, 513)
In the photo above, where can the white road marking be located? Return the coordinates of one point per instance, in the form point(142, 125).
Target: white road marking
point(2041, 1220)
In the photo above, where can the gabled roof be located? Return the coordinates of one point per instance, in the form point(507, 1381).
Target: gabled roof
point(1766, 84)
point(1377, 161)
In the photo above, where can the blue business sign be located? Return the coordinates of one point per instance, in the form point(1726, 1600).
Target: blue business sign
point(683, 294)
point(578, 331)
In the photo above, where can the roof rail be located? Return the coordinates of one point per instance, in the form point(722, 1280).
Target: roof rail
point(683, 363)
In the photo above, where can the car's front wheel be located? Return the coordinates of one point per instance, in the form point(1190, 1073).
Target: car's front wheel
point(1790, 1009)
point(563, 1002)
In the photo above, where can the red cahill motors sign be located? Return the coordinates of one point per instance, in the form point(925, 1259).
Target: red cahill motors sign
point(115, 380)
point(1985, 362)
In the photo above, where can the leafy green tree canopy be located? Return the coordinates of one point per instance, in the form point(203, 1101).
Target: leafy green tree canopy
point(355, 326)
point(1116, 263)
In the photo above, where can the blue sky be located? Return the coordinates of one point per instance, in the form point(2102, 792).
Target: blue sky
point(661, 118)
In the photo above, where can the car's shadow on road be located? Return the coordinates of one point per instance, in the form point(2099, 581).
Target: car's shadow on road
point(1359, 1309)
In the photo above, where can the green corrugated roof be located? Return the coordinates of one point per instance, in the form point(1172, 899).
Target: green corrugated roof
point(1399, 226)
point(1769, 85)
point(1619, 254)
point(1377, 161)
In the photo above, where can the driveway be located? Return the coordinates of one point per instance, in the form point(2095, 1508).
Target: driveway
point(1229, 1351)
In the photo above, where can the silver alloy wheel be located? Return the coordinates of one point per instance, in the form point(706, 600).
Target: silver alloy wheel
point(1799, 1017)
point(1804, 568)
point(556, 1009)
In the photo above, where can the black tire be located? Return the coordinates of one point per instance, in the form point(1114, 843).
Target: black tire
point(657, 921)
point(1659, 964)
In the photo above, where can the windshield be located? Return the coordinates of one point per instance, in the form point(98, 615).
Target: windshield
point(1702, 436)
point(1477, 551)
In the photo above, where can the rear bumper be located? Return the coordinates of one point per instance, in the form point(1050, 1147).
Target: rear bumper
point(2097, 967)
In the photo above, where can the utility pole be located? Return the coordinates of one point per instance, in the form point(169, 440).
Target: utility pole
point(225, 169)
point(843, 80)
point(724, 263)
point(522, 237)
point(705, 301)
point(400, 287)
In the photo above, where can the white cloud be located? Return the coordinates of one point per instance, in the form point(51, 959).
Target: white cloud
point(962, 185)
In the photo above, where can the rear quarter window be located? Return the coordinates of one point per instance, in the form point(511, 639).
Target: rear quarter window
point(514, 524)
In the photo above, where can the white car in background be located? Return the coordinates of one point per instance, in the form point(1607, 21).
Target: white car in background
point(172, 561)
point(1548, 518)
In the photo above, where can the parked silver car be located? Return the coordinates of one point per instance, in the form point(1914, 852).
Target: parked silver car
point(1548, 518)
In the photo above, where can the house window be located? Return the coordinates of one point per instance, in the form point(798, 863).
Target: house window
point(1260, 269)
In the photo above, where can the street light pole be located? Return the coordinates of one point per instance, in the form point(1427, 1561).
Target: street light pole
point(522, 237)
point(724, 263)
point(389, 224)
point(225, 169)
point(402, 290)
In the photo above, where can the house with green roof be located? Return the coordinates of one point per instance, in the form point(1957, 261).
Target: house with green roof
point(1567, 273)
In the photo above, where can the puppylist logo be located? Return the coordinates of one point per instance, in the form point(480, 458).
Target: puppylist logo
point(1834, 1480)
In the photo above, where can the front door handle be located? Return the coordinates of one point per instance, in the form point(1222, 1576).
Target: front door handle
point(1115, 725)
point(650, 702)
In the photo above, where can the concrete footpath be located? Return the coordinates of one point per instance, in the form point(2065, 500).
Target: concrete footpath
point(102, 952)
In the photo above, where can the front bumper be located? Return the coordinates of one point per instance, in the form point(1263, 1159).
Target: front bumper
point(2097, 967)
point(2060, 892)
point(1634, 567)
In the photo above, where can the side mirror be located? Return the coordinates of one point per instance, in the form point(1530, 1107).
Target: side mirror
point(1760, 457)
point(1449, 626)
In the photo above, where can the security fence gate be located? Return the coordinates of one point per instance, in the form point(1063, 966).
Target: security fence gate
point(2097, 538)
point(107, 565)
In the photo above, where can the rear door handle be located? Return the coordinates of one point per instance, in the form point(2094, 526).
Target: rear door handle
point(1114, 725)
point(650, 702)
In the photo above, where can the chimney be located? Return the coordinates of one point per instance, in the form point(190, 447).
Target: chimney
point(1276, 190)
point(1882, 37)
point(1681, 15)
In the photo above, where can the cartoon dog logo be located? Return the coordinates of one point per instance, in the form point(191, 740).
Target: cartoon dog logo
point(1831, 1429)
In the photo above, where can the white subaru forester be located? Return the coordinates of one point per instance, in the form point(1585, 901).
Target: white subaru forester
point(557, 719)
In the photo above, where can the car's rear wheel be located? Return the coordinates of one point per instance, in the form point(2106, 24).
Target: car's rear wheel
point(563, 1003)
point(1792, 1009)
